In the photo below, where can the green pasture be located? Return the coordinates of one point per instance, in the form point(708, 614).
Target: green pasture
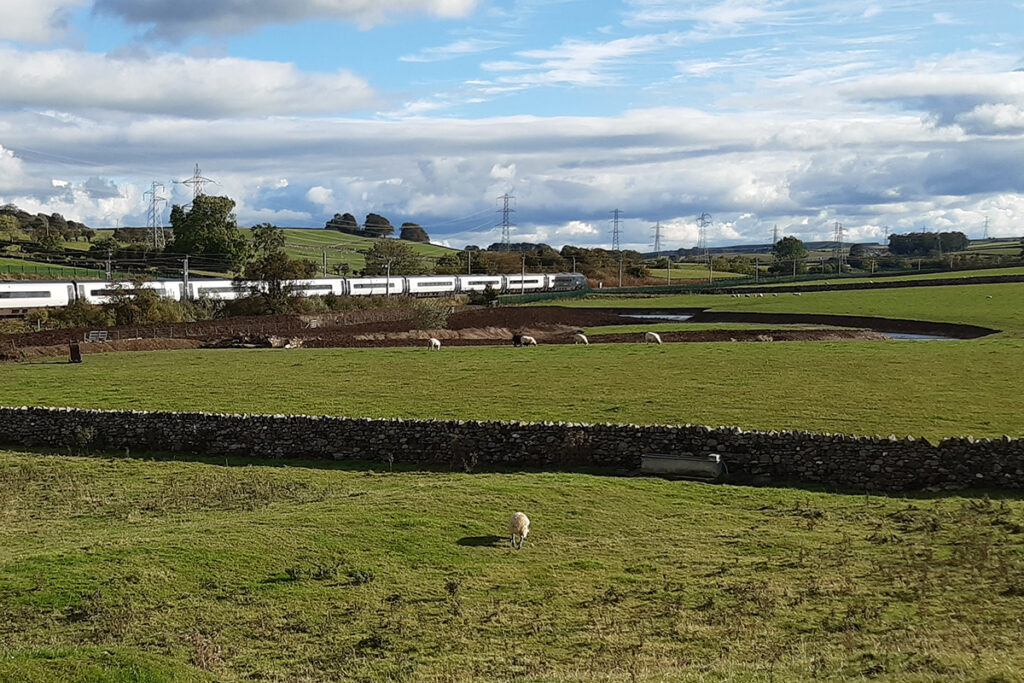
point(691, 271)
point(128, 569)
point(929, 388)
point(955, 304)
point(881, 278)
point(312, 243)
point(20, 266)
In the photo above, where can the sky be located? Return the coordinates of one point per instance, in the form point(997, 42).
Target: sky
point(882, 115)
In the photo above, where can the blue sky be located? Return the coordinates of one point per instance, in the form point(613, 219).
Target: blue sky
point(901, 115)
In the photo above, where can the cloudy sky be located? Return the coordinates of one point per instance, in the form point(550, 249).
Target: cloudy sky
point(900, 113)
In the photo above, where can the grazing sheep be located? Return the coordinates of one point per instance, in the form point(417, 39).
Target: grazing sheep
point(746, 296)
point(650, 337)
point(527, 340)
point(989, 296)
point(580, 338)
point(519, 526)
point(760, 295)
point(433, 344)
point(775, 293)
point(798, 293)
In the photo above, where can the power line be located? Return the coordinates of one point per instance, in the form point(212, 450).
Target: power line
point(838, 249)
point(196, 181)
point(506, 226)
point(657, 238)
point(703, 221)
point(153, 214)
point(616, 246)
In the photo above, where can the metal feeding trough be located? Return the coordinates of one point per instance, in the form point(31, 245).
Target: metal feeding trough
point(709, 467)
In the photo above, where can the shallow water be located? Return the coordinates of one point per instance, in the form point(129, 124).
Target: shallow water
point(910, 336)
point(661, 316)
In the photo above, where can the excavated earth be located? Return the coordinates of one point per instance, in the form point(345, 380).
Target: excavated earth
point(468, 326)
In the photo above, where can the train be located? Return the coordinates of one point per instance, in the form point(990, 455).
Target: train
point(18, 297)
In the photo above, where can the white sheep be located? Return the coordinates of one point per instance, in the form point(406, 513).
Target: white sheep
point(519, 526)
point(527, 340)
point(760, 295)
point(775, 293)
point(650, 337)
point(433, 344)
point(989, 296)
point(580, 338)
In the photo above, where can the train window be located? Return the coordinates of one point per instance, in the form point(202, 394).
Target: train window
point(217, 290)
point(309, 288)
point(25, 295)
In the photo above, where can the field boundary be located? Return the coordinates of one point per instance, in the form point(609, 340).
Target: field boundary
point(848, 462)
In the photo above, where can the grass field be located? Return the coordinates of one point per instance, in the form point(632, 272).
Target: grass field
point(119, 569)
point(691, 271)
point(950, 275)
point(310, 243)
point(21, 266)
point(934, 389)
point(956, 304)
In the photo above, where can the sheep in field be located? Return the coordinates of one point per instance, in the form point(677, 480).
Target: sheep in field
point(433, 344)
point(519, 526)
point(527, 340)
point(580, 338)
point(652, 337)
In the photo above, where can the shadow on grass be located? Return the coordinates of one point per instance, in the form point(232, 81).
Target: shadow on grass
point(374, 468)
point(482, 541)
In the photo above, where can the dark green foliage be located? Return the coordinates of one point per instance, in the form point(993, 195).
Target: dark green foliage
point(271, 269)
point(787, 251)
point(344, 223)
point(403, 260)
point(208, 229)
point(376, 225)
point(927, 243)
point(414, 233)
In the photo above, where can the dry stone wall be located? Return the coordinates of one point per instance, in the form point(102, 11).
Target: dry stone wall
point(860, 463)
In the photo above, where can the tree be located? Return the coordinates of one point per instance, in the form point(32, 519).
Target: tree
point(377, 226)
point(404, 260)
point(9, 227)
point(414, 233)
point(787, 251)
point(271, 269)
point(458, 262)
point(208, 229)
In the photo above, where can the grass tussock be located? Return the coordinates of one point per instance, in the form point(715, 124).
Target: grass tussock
point(113, 569)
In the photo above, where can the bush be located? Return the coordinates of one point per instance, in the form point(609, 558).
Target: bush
point(429, 315)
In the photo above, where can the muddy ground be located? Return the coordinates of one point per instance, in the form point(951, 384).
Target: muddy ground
point(470, 326)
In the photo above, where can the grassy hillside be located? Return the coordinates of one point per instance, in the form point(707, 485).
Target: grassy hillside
point(342, 248)
point(120, 569)
point(935, 389)
point(310, 242)
point(22, 267)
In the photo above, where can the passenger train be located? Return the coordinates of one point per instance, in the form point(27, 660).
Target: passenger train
point(18, 297)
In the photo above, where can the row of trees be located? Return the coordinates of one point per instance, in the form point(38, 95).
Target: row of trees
point(48, 230)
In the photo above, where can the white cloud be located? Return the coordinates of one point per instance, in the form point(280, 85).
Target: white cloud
point(459, 48)
point(174, 84)
point(176, 20)
point(35, 21)
point(320, 195)
point(576, 62)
